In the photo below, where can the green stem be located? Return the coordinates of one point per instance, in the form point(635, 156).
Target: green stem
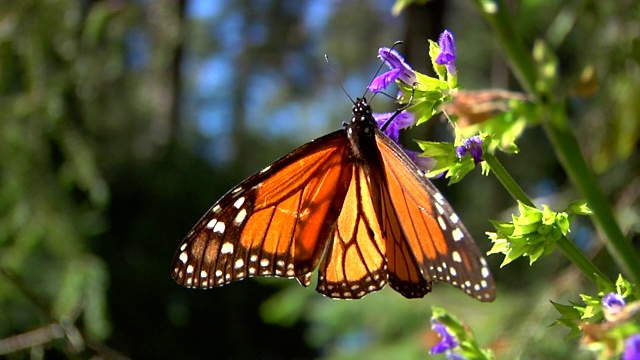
point(507, 181)
point(496, 14)
point(561, 136)
point(570, 250)
point(568, 151)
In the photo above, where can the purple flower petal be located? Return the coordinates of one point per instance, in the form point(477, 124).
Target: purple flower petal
point(632, 348)
point(461, 151)
point(613, 301)
point(448, 342)
point(447, 55)
point(402, 120)
point(473, 146)
point(391, 129)
point(405, 119)
point(423, 163)
point(383, 80)
point(399, 70)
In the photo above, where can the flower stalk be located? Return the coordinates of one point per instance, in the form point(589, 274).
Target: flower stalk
point(564, 141)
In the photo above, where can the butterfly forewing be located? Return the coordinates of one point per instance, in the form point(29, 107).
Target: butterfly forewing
point(274, 223)
point(442, 247)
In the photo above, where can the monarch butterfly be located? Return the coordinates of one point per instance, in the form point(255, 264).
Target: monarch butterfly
point(351, 202)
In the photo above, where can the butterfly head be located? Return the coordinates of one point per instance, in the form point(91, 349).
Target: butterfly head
point(361, 111)
point(362, 121)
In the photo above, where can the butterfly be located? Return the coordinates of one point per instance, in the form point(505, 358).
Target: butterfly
point(350, 203)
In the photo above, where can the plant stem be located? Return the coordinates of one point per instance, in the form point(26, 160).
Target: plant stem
point(507, 181)
point(560, 134)
point(570, 155)
point(570, 250)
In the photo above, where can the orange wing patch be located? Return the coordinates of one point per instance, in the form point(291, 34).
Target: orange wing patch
point(284, 234)
point(405, 276)
point(355, 262)
point(417, 214)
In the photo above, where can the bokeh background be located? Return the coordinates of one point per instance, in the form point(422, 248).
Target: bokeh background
point(121, 123)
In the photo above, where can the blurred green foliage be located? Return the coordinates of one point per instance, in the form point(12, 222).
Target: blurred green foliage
point(106, 161)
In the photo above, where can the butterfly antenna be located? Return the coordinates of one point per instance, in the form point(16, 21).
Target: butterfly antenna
point(403, 108)
point(395, 44)
point(326, 57)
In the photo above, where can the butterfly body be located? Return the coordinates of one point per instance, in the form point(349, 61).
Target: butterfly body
point(351, 203)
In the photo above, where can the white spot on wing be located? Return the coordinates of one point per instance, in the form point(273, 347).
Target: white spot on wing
point(290, 272)
point(183, 257)
point(211, 223)
point(264, 262)
point(265, 169)
point(184, 246)
point(439, 198)
point(484, 272)
point(189, 269)
point(456, 256)
point(454, 218)
point(240, 217)
point(237, 191)
point(239, 202)
point(442, 224)
point(219, 227)
point(457, 234)
point(439, 208)
point(227, 248)
point(239, 263)
point(216, 209)
point(453, 272)
point(203, 274)
point(218, 273)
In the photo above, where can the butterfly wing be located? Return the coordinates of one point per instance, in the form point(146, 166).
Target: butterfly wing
point(276, 222)
point(418, 221)
point(355, 263)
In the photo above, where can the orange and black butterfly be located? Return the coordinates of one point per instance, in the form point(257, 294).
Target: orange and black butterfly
point(351, 202)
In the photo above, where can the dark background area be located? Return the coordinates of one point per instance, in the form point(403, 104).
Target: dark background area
point(122, 122)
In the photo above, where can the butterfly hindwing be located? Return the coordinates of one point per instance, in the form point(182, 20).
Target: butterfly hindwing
point(276, 222)
point(355, 262)
point(420, 217)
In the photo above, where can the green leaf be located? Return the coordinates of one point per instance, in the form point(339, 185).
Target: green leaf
point(580, 208)
point(434, 51)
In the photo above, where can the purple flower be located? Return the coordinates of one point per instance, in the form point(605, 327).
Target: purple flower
point(447, 55)
point(613, 301)
point(447, 343)
point(422, 162)
point(473, 146)
point(399, 70)
point(632, 348)
point(403, 120)
point(612, 304)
